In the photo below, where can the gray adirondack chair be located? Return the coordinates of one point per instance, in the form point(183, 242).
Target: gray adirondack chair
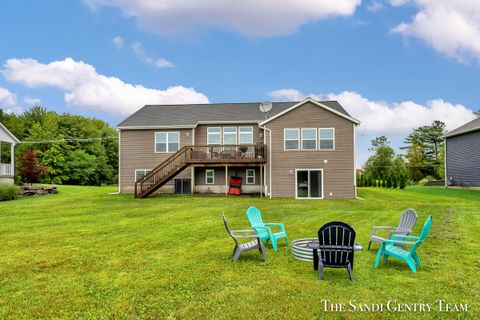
point(246, 246)
point(407, 222)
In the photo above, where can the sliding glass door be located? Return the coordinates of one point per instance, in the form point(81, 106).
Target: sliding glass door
point(309, 183)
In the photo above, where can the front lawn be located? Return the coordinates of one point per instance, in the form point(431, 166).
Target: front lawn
point(85, 254)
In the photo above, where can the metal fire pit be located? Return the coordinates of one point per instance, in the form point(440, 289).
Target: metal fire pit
point(300, 251)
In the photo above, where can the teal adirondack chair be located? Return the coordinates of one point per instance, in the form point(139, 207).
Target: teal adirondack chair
point(388, 248)
point(264, 230)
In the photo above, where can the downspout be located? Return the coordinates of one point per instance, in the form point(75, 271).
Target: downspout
point(269, 160)
point(119, 156)
point(355, 159)
point(445, 161)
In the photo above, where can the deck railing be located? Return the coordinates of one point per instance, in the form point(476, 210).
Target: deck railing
point(213, 154)
point(247, 153)
point(6, 169)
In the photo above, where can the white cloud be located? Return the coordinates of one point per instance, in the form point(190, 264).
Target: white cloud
point(397, 3)
point(7, 98)
point(248, 17)
point(452, 27)
point(143, 55)
point(290, 95)
point(375, 6)
point(32, 101)
point(85, 88)
point(118, 42)
point(382, 117)
point(8, 101)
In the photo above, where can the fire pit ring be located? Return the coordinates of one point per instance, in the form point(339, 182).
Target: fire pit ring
point(300, 251)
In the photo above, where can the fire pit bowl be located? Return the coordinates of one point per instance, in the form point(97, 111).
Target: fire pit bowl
point(300, 251)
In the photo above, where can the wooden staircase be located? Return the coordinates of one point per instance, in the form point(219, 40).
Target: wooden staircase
point(162, 174)
point(198, 154)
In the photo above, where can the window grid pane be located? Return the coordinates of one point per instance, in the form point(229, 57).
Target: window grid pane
point(309, 139)
point(245, 135)
point(326, 138)
point(250, 176)
point(291, 139)
point(230, 135)
point(210, 176)
point(167, 141)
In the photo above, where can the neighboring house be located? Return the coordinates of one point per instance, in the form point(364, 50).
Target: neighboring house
point(462, 155)
point(7, 155)
point(297, 149)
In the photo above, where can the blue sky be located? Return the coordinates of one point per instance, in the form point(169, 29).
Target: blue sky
point(393, 64)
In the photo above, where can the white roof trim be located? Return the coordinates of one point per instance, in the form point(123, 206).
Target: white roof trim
point(449, 135)
point(15, 140)
point(156, 127)
point(187, 126)
point(314, 102)
point(229, 122)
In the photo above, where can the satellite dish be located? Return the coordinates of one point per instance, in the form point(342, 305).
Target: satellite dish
point(265, 107)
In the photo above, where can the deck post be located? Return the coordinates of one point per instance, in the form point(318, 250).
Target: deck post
point(192, 180)
point(261, 181)
point(226, 179)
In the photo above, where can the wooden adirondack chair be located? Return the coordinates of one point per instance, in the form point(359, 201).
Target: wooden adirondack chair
point(264, 230)
point(336, 241)
point(388, 248)
point(407, 222)
point(240, 248)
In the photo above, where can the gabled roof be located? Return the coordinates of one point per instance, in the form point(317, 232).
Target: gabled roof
point(322, 104)
point(190, 115)
point(4, 129)
point(471, 126)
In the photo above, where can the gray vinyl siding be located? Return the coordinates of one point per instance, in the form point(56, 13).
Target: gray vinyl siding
point(463, 159)
point(338, 171)
point(137, 151)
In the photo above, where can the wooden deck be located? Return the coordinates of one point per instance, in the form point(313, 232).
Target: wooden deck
point(222, 154)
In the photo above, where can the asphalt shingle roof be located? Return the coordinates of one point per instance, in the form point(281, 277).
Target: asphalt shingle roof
point(473, 125)
point(191, 114)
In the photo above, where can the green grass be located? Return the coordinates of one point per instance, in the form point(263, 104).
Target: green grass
point(85, 254)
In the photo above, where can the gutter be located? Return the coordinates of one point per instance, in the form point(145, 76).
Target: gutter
point(269, 160)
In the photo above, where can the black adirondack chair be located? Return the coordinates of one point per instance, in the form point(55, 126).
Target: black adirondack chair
point(336, 242)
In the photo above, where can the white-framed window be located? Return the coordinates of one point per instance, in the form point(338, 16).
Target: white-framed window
point(140, 173)
point(229, 135)
point(214, 135)
point(210, 176)
point(166, 142)
point(309, 139)
point(291, 139)
point(245, 135)
point(250, 176)
point(326, 138)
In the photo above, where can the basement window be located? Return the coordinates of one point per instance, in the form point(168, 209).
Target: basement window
point(250, 174)
point(209, 176)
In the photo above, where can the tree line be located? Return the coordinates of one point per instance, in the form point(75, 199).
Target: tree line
point(423, 159)
point(62, 148)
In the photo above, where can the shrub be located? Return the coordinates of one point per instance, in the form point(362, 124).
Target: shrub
point(8, 192)
point(403, 182)
point(423, 181)
point(389, 181)
point(394, 182)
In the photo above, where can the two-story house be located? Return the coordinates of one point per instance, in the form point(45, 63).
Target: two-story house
point(303, 150)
